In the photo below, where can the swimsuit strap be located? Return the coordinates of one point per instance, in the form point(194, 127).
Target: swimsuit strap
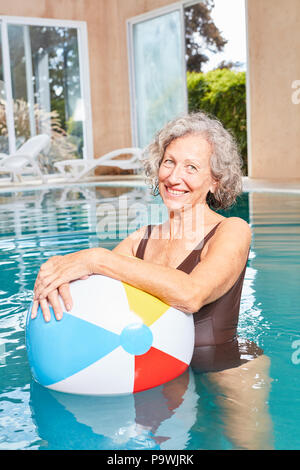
point(200, 245)
point(143, 243)
point(193, 258)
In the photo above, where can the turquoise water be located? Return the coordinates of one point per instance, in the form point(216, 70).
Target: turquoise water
point(256, 406)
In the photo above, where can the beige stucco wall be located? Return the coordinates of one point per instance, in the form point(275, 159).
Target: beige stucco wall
point(274, 63)
point(108, 58)
point(273, 43)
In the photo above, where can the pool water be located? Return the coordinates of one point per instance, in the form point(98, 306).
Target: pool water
point(253, 407)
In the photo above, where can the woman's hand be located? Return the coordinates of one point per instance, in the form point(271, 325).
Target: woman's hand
point(53, 299)
point(60, 270)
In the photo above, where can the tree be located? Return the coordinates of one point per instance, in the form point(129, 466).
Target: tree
point(229, 65)
point(201, 33)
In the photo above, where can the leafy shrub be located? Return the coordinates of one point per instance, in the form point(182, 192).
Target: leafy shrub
point(222, 93)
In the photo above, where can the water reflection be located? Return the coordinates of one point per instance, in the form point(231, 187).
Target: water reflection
point(160, 418)
point(219, 410)
point(240, 398)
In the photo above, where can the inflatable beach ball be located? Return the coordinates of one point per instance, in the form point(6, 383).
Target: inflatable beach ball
point(116, 340)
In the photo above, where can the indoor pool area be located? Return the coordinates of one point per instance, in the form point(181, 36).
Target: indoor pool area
point(256, 406)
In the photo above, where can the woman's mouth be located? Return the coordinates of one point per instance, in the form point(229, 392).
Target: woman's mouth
point(175, 192)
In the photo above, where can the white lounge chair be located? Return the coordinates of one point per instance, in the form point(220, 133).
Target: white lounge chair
point(77, 169)
point(24, 160)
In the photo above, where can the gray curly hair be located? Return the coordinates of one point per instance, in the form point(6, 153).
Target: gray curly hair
point(225, 161)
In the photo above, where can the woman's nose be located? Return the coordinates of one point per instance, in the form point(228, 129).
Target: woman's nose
point(174, 175)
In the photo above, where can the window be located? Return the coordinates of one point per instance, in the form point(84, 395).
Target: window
point(44, 86)
point(157, 71)
point(189, 56)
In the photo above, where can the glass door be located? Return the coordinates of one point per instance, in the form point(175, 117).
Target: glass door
point(42, 79)
point(157, 71)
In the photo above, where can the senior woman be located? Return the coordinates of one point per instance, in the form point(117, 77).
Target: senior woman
point(196, 260)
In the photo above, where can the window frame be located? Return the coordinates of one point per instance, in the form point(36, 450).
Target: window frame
point(84, 74)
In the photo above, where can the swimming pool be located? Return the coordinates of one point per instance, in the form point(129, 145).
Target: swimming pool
point(255, 407)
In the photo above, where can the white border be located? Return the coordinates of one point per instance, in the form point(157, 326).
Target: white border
point(82, 37)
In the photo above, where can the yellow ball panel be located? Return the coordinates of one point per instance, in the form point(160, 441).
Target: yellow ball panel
point(146, 306)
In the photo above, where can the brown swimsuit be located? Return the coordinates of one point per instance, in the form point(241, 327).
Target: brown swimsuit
point(217, 346)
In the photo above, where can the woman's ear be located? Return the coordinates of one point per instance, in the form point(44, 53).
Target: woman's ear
point(213, 187)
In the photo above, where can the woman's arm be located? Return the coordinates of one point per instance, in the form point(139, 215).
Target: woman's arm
point(126, 247)
point(213, 277)
point(210, 279)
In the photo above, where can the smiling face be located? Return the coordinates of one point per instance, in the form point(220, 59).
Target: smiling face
point(184, 176)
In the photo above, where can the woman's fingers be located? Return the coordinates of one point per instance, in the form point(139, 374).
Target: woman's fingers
point(34, 308)
point(64, 291)
point(53, 299)
point(45, 309)
point(45, 285)
point(43, 295)
point(59, 270)
point(46, 277)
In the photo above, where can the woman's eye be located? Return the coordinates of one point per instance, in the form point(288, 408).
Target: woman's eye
point(168, 161)
point(192, 168)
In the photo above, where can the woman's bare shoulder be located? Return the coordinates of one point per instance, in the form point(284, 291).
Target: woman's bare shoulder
point(137, 236)
point(235, 224)
point(233, 230)
point(230, 243)
point(128, 245)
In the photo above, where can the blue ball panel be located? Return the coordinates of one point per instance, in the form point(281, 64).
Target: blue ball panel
point(59, 349)
point(136, 339)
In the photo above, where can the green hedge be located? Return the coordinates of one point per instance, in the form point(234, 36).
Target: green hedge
point(222, 93)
